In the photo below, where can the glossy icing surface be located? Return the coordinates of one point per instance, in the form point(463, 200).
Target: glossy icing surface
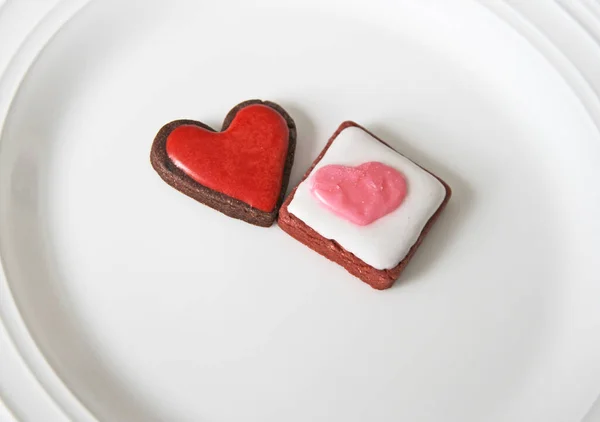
point(245, 162)
point(386, 241)
point(360, 194)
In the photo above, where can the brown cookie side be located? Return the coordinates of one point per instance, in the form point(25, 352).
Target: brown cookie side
point(227, 205)
point(330, 249)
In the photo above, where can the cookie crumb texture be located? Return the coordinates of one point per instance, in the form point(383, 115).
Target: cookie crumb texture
point(372, 252)
point(242, 171)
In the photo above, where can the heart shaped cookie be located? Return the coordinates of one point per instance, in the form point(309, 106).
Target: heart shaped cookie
point(360, 194)
point(241, 171)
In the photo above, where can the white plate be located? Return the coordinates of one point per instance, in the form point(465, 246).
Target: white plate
point(152, 307)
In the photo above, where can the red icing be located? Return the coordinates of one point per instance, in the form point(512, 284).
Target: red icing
point(246, 161)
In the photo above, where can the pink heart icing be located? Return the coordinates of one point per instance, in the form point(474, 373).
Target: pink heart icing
point(359, 194)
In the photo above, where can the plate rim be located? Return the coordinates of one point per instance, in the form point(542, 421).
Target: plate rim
point(18, 67)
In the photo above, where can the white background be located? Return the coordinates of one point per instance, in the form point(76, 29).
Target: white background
point(569, 31)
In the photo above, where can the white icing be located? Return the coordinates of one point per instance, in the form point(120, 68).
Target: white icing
point(385, 242)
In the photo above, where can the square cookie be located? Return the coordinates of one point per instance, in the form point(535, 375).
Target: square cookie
point(364, 206)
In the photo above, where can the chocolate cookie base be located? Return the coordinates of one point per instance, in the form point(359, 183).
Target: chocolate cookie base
point(330, 249)
point(229, 206)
